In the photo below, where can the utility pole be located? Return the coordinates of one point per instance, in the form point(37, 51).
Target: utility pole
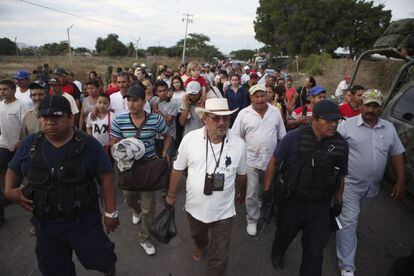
point(17, 48)
point(70, 49)
point(136, 46)
point(187, 20)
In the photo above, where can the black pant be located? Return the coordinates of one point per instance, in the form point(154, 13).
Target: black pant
point(313, 219)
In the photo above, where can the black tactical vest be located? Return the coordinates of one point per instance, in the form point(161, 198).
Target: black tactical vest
point(64, 191)
point(314, 174)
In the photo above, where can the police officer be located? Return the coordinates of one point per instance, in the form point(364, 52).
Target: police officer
point(62, 166)
point(316, 161)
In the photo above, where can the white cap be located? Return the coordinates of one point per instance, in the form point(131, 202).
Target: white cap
point(193, 88)
point(246, 67)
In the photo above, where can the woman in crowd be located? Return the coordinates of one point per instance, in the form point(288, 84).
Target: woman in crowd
point(89, 102)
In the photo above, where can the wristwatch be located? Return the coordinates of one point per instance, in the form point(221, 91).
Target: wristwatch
point(112, 215)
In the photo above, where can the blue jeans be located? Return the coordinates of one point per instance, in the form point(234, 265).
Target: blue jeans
point(57, 239)
point(346, 240)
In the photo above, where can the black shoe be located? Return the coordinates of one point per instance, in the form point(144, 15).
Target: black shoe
point(278, 262)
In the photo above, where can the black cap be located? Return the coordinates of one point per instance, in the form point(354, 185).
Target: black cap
point(60, 71)
point(327, 110)
point(54, 106)
point(38, 85)
point(135, 91)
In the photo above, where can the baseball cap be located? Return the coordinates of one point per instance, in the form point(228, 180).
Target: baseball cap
point(60, 71)
point(256, 87)
point(372, 96)
point(193, 88)
point(254, 76)
point(54, 105)
point(135, 91)
point(54, 81)
point(246, 67)
point(327, 110)
point(38, 85)
point(317, 90)
point(207, 65)
point(21, 74)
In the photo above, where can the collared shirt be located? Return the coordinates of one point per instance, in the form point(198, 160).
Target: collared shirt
point(192, 155)
point(369, 149)
point(260, 134)
point(236, 99)
point(30, 124)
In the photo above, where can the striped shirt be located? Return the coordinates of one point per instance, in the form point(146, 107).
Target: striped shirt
point(123, 127)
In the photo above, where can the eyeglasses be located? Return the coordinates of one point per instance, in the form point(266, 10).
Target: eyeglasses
point(217, 118)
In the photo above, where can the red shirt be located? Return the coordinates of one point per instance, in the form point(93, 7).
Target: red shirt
point(298, 112)
point(200, 80)
point(71, 89)
point(347, 111)
point(112, 89)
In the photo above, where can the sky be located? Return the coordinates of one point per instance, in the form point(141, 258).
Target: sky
point(228, 23)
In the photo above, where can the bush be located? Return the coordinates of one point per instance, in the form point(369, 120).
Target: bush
point(317, 65)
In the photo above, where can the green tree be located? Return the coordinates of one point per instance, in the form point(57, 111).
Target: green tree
point(82, 50)
point(156, 51)
point(54, 49)
point(197, 46)
point(7, 47)
point(313, 26)
point(244, 54)
point(111, 46)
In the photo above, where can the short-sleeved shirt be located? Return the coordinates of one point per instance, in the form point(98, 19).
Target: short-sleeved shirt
point(96, 160)
point(200, 80)
point(24, 97)
point(101, 127)
point(192, 155)
point(348, 111)
point(169, 109)
point(72, 90)
point(123, 127)
point(193, 122)
point(30, 124)
point(119, 103)
point(11, 115)
point(289, 148)
point(369, 149)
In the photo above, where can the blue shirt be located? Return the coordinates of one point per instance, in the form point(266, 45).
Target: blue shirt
point(238, 99)
point(95, 158)
point(369, 149)
point(123, 127)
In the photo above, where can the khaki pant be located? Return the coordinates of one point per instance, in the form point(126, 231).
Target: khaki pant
point(142, 203)
point(218, 251)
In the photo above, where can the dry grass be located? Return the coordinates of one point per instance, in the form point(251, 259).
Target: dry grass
point(80, 65)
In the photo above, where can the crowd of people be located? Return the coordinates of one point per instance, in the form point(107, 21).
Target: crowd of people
point(230, 130)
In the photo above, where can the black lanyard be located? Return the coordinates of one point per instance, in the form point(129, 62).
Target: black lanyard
point(215, 159)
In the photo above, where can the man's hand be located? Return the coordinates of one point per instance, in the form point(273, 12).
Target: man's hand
point(398, 191)
point(167, 158)
point(16, 195)
point(170, 201)
point(111, 224)
point(240, 198)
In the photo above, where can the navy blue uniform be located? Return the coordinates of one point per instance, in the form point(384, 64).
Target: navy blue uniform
point(58, 238)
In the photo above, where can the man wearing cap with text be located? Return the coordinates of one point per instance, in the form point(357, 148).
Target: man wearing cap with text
point(261, 126)
point(62, 166)
point(315, 161)
point(371, 141)
point(216, 163)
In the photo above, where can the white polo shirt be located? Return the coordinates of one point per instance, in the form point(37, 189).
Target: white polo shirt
point(119, 104)
point(192, 155)
point(260, 134)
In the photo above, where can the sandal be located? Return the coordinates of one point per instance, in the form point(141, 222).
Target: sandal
point(198, 255)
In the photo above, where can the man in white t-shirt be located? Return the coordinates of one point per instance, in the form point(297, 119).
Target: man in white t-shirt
point(118, 101)
point(22, 78)
point(216, 161)
point(246, 76)
point(261, 126)
point(342, 86)
point(12, 111)
point(207, 74)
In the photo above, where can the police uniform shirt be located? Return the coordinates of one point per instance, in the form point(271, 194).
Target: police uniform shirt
point(96, 160)
point(289, 147)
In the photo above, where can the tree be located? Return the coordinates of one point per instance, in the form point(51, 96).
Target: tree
point(156, 51)
point(313, 26)
point(54, 49)
point(196, 46)
point(82, 50)
point(111, 46)
point(7, 47)
point(244, 54)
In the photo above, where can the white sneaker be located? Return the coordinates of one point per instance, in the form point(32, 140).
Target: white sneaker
point(251, 229)
point(148, 247)
point(347, 273)
point(136, 218)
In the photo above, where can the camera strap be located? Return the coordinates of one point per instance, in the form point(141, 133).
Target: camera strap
point(215, 159)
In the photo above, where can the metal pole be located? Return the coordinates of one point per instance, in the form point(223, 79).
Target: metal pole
point(70, 49)
point(187, 20)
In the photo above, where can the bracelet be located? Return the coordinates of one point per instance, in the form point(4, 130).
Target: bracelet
point(171, 196)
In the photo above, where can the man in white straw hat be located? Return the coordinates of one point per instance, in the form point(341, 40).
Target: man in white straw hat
point(216, 161)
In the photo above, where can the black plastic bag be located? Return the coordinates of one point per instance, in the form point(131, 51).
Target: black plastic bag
point(163, 227)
